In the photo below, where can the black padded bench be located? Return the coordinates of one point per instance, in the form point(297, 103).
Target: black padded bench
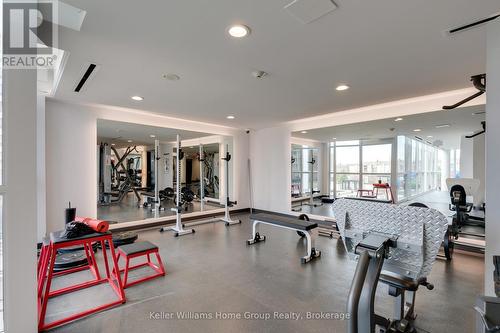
point(308, 229)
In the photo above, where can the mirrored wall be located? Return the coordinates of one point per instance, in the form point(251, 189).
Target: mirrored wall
point(396, 160)
point(137, 173)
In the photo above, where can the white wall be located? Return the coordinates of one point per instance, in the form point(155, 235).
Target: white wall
point(71, 155)
point(492, 153)
point(166, 176)
point(20, 200)
point(270, 154)
point(466, 157)
point(479, 168)
point(40, 167)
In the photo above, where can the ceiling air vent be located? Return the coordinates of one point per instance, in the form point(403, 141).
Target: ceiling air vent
point(473, 24)
point(306, 11)
point(86, 75)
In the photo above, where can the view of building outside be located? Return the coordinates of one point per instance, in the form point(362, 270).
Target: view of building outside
point(419, 167)
point(357, 165)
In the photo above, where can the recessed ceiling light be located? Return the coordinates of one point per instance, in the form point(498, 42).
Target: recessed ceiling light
point(303, 132)
point(334, 138)
point(398, 119)
point(230, 117)
point(191, 147)
point(429, 136)
point(152, 136)
point(238, 30)
point(443, 125)
point(129, 141)
point(137, 98)
point(342, 87)
point(417, 130)
point(171, 77)
point(113, 144)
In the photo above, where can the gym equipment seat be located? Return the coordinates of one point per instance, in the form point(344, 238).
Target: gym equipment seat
point(136, 250)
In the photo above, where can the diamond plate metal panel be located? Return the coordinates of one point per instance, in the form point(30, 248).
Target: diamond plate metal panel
point(419, 232)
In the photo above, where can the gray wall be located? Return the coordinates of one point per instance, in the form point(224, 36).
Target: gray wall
point(492, 153)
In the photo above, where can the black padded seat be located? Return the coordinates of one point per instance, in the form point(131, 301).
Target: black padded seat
point(55, 237)
point(285, 221)
point(137, 247)
point(399, 281)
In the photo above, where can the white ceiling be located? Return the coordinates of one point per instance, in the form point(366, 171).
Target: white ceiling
point(462, 121)
point(120, 132)
point(385, 50)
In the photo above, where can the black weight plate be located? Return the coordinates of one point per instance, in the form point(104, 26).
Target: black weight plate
point(70, 260)
point(123, 238)
point(77, 248)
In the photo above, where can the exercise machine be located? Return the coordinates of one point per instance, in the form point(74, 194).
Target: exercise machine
point(201, 158)
point(227, 202)
point(311, 202)
point(393, 244)
point(178, 229)
point(479, 82)
point(116, 180)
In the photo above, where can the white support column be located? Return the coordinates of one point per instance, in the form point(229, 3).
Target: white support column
point(492, 153)
point(20, 200)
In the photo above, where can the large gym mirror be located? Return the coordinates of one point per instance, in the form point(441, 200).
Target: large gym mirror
point(416, 158)
point(137, 175)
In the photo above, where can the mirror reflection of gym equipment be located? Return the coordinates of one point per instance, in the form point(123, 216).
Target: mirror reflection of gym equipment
point(137, 173)
point(431, 160)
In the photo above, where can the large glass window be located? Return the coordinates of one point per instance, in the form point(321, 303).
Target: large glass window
point(357, 165)
point(418, 167)
point(305, 164)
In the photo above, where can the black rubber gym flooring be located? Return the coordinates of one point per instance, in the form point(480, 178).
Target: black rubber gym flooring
point(214, 271)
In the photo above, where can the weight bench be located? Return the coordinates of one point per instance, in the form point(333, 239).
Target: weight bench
point(306, 228)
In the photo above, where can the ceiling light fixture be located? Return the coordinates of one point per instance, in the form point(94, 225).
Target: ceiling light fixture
point(342, 87)
point(137, 98)
point(152, 136)
point(230, 117)
point(334, 138)
point(113, 144)
point(238, 30)
point(129, 141)
point(443, 125)
point(398, 119)
point(303, 132)
point(417, 130)
point(429, 136)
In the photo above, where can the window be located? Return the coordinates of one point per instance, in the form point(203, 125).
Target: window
point(418, 167)
point(304, 170)
point(347, 167)
point(356, 165)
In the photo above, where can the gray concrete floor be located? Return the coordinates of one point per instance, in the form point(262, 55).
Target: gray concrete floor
point(214, 270)
point(128, 210)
